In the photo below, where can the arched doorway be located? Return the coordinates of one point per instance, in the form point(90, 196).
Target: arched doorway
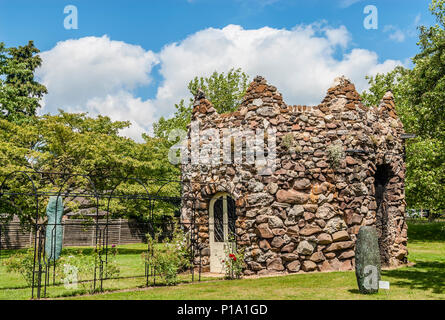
point(222, 218)
point(381, 180)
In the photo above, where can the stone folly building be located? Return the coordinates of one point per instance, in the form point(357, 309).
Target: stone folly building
point(339, 166)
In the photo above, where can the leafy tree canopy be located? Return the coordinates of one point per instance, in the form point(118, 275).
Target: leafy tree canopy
point(20, 93)
point(225, 91)
point(79, 144)
point(420, 100)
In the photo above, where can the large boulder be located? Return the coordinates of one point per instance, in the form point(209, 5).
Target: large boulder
point(334, 225)
point(294, 266)
point(275, 222)
point(260, 199)
point(309, 266)
point(310, 230)
point(326, 211)
point(263, 231)
point(305, 248)
point(292, 197)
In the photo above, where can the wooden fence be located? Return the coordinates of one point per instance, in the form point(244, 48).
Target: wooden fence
point(76, 232)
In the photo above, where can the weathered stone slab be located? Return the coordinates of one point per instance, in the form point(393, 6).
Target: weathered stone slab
point(367, 260)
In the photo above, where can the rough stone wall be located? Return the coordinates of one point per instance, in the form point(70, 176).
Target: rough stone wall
point(306, 214)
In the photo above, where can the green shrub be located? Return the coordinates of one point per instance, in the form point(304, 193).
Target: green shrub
point(23, 263)
point(374, 140)
point(168, 257)
point(85, 265)
point(389, 137)
point(289, 142)
point(335, 154)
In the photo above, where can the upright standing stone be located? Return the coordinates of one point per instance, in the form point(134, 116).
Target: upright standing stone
point(54, 228)
point(367, 260)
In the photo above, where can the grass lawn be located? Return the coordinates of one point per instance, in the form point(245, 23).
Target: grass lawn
point(129, 260)
point(424, 280)
point(13, 286)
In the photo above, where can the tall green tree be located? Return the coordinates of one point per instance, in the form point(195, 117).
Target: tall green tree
point(426, 83)
point(78, 144)
point(225, 91)
point(420, 100)
point(20, 93)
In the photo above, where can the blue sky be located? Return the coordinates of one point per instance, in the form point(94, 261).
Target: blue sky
point(148, 50)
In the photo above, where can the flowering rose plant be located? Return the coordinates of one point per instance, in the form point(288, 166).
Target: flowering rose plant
point(234, 260)
point(168, 257)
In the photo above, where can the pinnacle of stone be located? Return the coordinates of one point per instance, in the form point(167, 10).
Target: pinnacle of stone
point(200, 94)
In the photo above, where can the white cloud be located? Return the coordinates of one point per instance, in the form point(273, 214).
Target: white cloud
point(300, 62)
point(98, 75)
point(122, 106)
point(338, 36)
point(395, 33)
point(398, 36)
point(417, 19)
point(78, 73)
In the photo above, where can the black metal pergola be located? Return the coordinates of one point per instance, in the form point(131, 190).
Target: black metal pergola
point(100, 191)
